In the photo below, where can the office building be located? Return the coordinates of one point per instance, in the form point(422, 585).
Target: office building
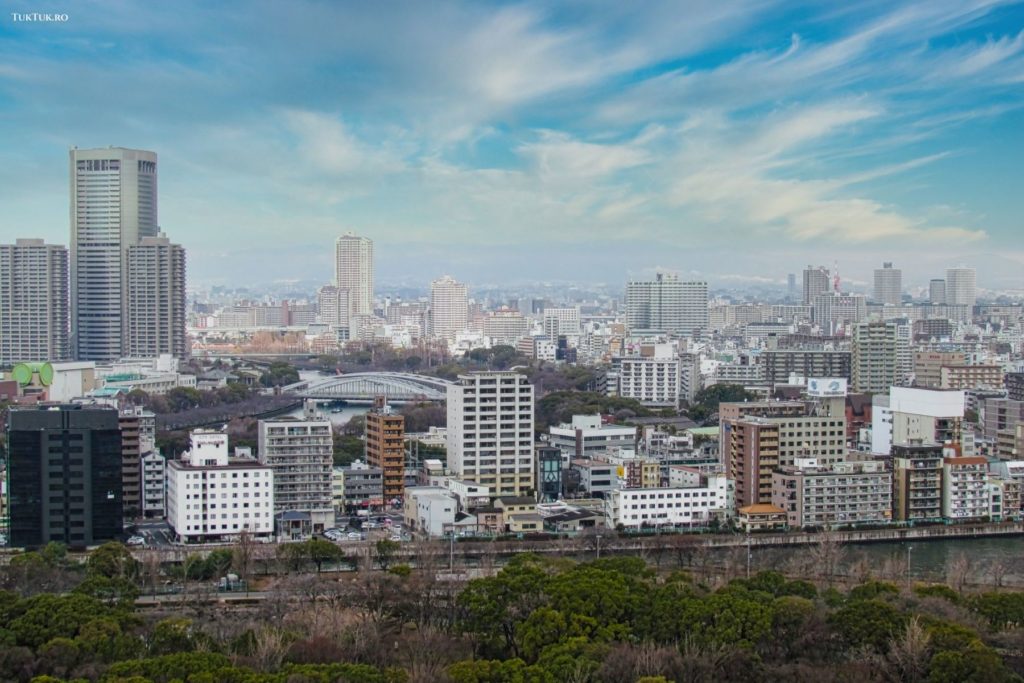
point(780, 364)
point(33, 302)
point(132, 445)
point(937, 292)
point(791, 287)
point(1000, 415)
point(836, 495)
point(635, 508)
point(928, 366)
point(363, 486)
point(927, 416)
point(561, 321)
point(505, 327)
point(879, 350)
point(155, 313)
point(1014, 385)
point(833, 311)
point(490, 431)
point(667, 304)
point(961, 287)
point(353, 271)
point(113, 207)
point(449, 308)
point(64, 475)
point(385, 448)
point(549, 476)
point(588, 437)
point(888, 285)
point(301, 455)
point(817, 281)
point(212, 497)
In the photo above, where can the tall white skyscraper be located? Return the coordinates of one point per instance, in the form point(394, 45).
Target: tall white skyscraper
point(113, 206)
point(490, 431)
point(353, 270)
point(937, 291)
point(155, 312)
point(33, 302)
point(449, 307)
point(961, 287)
point(667, 304)
point(888, 285)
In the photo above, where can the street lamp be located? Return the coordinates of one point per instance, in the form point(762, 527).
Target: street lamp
point(909, 548)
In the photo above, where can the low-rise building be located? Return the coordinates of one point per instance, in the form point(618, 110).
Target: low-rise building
point(840, 494)
point(153, 475)
point(917, 483)
point(429, 510)
point(674, 507)
point(586, 436)
point(364, 486)
point(965, 491)
point(761, 517)
point(596, 477)
point(971, 377)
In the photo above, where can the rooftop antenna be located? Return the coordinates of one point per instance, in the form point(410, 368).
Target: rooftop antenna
point(835, 277)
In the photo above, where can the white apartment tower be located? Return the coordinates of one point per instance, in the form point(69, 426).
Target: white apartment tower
point(889, 285)
point(449, 308)
point(937, 291)
point(816, 282)
point(961, 286)
point(559, 321)
point(301, 454)
point(113, 206)
point(490, 431)
point(353, 270)
point(33, 302)
point(155, 314)
point(881, 356)
point(667, 304)
point(334, 306)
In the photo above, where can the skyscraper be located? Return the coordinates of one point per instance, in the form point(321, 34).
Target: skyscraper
point(961, 288)
point(937, 291)
point(353, 270)
point(490, 431)
point(816, 282)
point(449, 307)
point(888, 285)
point(64, 475)
point(155, 313)
point(667, 304)
point(791, 287)
point(33, 302)
point(113, 206)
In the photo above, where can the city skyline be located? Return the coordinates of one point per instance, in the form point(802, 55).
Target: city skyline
point(537, 140)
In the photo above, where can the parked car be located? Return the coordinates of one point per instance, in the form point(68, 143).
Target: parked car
point(136, 540)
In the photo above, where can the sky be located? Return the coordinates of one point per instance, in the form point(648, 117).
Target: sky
point(595, 141)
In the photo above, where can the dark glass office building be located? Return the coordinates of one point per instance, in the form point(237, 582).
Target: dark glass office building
point(64, 475)
point(549, 473)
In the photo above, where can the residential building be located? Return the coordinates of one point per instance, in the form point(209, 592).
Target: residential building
point(334, 306)
point(965, 492)
point(667, 304)
point(817, 281)
point(385, 448)
point(587, 437)
point(673, 507)
point(64, 475)
point(561, 321)
point(652, 377)
point(917, 482)
point(353, 271)
point(928, 366)
point(449, 308)
point(999, 415)
point(840, 494)
point(212, 497)
point(878, 348)
point(113, 207)
point(961, 287)
point(33, 302)
point(752, 456)
point(910, 415)
point(761, 517)
point(301, 454)
point(889, 285)
point(1014, 385)
point(490, 431)
point(780, 364)
point(505, 326)
point(129, 421)
point(834, 311)
point(971, 377)
point(155, 313)
point(596, 477)
point(937, 292)
point(429, 510)
point(153, 473)
point(364, 486)
point(338, 490)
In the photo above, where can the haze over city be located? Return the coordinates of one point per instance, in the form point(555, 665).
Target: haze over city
point(505, 143)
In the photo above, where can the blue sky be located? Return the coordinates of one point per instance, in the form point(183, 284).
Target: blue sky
point(504, 142)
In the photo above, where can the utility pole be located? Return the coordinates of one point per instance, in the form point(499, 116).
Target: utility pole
point(451, 552)
point(749, 553)
point(909, 547)
point(599, 546)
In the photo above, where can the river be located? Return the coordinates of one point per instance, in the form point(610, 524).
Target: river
point(338, 419)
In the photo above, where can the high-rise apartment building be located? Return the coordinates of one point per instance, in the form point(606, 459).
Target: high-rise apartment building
point(833, 310)
point(33, 302)
point(667, 304)
point(385, 448)
point(155, 314)
point(301, 454)
point(917, 482)
point(113, 206)
point(334, 306)
point(878, 356)
point(889, 285)
point(561, 321)
point(64, 475)
point(817, 281)
point(937, 292)
point(449, 308)
point(353, 270)
point(961, 287)
point(490, 431)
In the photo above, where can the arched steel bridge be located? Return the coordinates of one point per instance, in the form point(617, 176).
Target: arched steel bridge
point(397, 387)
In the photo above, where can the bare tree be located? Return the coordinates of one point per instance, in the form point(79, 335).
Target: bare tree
point(957, 572)
point(242, 557)
point(269, 648)
point(909, 653)
point(827, 555)
point(998, 569)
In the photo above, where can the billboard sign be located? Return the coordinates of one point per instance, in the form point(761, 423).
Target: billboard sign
point(825, 387)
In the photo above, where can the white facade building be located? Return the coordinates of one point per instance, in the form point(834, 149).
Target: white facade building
point(587, 437)
point(153, 477)
point(909, 415)
point(33, 302)
point(561, 321)
point(651, 377)
point(212, 497)
point(449, 308)
point(888, 285)
point(353, 271)
point(429, 510)
point(301, 453)
point(490, 431)
point(961, 286)
point(634, 508)
point(667, 304)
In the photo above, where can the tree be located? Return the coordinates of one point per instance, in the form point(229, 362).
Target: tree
point(385, 551)
point(113, 560)
point(320, 552)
